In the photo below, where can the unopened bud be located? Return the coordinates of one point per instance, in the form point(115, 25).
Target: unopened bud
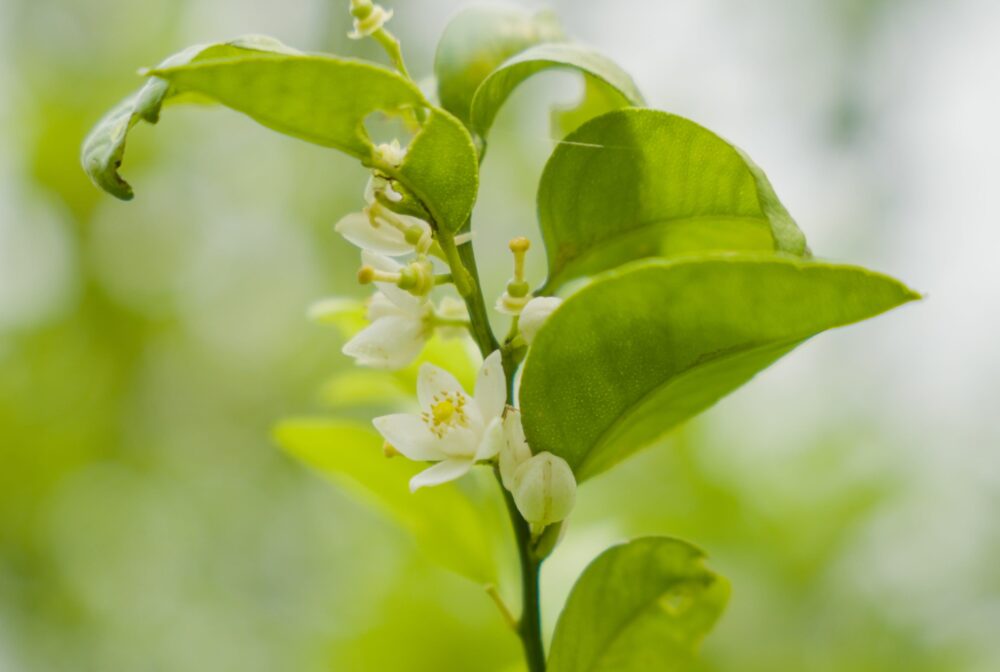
point(368, 18)
point(544, 490)
point(534, 315)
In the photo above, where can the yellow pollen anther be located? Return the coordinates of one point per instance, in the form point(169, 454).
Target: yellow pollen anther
point(366, 275)
point(520, 244)
point(446, 412)
point(442, 412)
point(389, 450)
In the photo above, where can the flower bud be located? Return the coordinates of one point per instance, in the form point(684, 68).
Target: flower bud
point(544, 490)
point(534, 315)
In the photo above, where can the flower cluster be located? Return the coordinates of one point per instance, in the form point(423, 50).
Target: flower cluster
point(396, 253)
point(453, 430)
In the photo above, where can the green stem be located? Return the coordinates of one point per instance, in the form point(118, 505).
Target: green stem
point(391, 46)
point(466, 276)
point(529, 628)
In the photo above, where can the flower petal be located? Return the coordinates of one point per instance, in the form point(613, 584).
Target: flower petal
point(442, 472)
point(491, 388)
point(357, 228)
point(389, 342)
point(410, 436)
point(492, 441)
point(515, 450)
point(433, 381)
point(379, 305)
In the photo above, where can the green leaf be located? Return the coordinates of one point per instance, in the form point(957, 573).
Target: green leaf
point(494, 90)
point(442, 169)
point(476, 41)
point(445, 523)
point(639, 183)
point(104, 147)
point(325, 100)
point(641, 606)
point(643, 348)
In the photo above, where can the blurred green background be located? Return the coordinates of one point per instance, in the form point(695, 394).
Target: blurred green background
point(147, 522)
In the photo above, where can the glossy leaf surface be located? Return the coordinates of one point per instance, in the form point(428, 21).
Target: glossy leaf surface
point(443, 520)
point(642, 349)
point(638, 183)
point(641, 606)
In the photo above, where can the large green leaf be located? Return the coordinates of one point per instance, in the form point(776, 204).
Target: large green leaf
point(645, 605)
point(599, 70)
point(476, 41)
point(638, 183)
point(104, 147)
point(443, 520)
point(326, 100)
point(645, 347)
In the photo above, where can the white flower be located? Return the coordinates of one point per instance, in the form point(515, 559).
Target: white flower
point(381, 231)
point(454, 429)
point(534, 314)
point(400, 326)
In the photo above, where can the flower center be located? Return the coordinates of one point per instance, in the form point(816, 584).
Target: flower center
point(447, 411)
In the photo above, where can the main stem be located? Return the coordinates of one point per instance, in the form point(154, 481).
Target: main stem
point(529, 626)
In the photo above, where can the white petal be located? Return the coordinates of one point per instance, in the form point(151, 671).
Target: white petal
point(491, 387)
point(492, 441)
point(379, 305)
point(410, 436)
point(534, 315)
point(433, 381)
point(389, 342)
point(384, 238)
point(460, 442)
point(515, 450)
point(441, 472)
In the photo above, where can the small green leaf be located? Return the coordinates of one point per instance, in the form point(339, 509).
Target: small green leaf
point(639, 183)
point(494, 90)
point(643, 348)
point(476, 41)
point(641, 606)
point(442, 169)
point(443, 520)
point(104, 147)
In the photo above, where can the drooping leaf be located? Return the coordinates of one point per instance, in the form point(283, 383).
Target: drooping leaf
point(104, 147)
point(637, 183)
point(476, 41)
point(443, 520)
point(641, 606)
point(645, 347)
point(325, 100)
point(600, 71)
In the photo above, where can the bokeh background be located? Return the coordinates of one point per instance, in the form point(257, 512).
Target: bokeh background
point(147, 521)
